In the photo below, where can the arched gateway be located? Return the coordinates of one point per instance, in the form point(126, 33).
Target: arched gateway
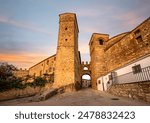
point(85, 70)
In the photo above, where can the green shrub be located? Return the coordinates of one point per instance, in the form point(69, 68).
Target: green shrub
point(39, 81)
point(16, 83)
point(6, 85)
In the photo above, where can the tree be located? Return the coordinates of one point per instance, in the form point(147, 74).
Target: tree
point(6, 71)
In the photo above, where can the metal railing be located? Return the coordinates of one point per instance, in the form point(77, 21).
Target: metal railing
point(131, 77)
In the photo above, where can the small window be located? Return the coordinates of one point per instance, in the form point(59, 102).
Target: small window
point(138, 36)
point(139, 39)
point(101, 42)
point(136, 69)
point(110, 77)
point(47, 62)
point(85, 68)
point(40, 72)
point(99, 82)
point(137, 33)
point(50, 69)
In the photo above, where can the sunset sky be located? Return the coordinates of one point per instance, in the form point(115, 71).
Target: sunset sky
point(29, 28)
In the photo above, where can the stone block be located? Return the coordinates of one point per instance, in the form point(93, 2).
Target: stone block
point(47, 94)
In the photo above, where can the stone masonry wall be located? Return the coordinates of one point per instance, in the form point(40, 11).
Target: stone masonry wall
point(21, 73)
point(97, 56)
point(67, 57)
point(138, 91)
point(129, 48)
point(119, 50)
point(43, 67)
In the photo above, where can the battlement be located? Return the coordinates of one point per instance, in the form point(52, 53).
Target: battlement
point(85, 63)
point(23, 69)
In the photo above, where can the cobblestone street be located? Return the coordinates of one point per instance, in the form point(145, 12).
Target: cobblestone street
point(85, 97)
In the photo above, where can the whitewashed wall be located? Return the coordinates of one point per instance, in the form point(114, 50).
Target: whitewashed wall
point(145, 62)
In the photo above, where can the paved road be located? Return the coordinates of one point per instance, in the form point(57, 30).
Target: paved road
point(85, 97)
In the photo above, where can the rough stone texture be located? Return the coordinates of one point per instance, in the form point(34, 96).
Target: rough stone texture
point(118, 51)
point(67, 58)
point(98, 66)
point(21, 73)
point(47, 94)
point(47, 66)
point(128, 48)
point(139, 90)
point(85, 68)
point(106, 57)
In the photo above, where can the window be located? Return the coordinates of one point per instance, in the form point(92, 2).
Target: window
point(110, 77)
point(47, 62)
point(50, 69)
point(85, 68)
point(138, 36)
point(66, 28)
point(40, 72)
point(136, 69)
point(99, 81)
point(137, 33)
point(101, 42)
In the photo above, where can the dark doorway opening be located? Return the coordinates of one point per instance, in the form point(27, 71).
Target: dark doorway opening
point(86, 81)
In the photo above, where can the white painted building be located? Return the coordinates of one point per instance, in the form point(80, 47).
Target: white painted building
point(136, 71)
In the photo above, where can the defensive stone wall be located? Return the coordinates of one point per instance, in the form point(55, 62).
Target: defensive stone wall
point(110, 54)
point(98, 66)
point(131, 47)
point(47, 66)
point(67, 57)
point(21, 73)
point(138, 91)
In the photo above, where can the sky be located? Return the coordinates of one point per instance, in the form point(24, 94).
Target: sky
point(29, 28)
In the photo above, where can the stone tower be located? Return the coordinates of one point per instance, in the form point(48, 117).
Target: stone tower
point(67, 70)
point(98, 63)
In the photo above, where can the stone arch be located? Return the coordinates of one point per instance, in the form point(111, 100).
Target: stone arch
point(86, 81)
point(85, 70)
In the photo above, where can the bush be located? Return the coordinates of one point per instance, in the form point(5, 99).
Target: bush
point(39, 81)
point(16, 83)
point(6, 85)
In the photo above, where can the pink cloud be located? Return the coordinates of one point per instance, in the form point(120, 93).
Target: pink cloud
point(6, 20)
point(22, 60)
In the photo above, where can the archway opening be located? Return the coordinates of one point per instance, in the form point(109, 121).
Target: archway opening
point(86, 81)
point(85, 68)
